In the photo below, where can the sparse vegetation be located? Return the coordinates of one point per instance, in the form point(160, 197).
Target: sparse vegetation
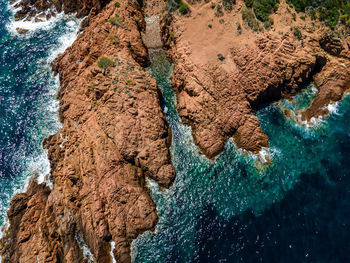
point(172, 36)
point(228, 4)
point(221, 57)
point(239, 28)
point(104, 63)
point(330, 11)
point(263, 8)
point(178, 4)
point(115, 21)
point(183, 8)
point(115, 39)
point(249, 18)
point(297, 33)
point(268, 23)
point(218, 11)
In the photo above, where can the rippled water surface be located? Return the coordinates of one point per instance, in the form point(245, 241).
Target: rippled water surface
point(28, 109)
point(234, 210)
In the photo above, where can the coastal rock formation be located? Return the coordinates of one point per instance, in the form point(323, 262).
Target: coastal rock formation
point(44, 9)
point(223, 71)
point(114, 135)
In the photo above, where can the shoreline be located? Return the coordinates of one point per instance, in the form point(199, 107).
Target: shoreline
point(38, 167)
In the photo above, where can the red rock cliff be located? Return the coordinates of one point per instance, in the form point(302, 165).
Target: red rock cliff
point(113, 136)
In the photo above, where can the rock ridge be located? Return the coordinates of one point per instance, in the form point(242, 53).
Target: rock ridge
point(114, 135)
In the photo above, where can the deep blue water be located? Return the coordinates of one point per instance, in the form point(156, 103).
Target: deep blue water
point(232, 210)
point(28, 109)
point(236, 210)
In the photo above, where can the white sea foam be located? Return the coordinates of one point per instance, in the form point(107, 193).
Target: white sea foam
point(86, 251)
point(112, 255)
point(31, 25)
point(67, 39)
point(39, 166)
point(264, 155)
point(316, 122)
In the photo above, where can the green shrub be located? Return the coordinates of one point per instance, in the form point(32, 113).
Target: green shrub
point(249, 3)
point(297, 33)
point(264, 8)
point(183, 8)
point(179, 4)
point(114, 39)
point(249, 18)
point(171, 36)
point(268, 23)
point(117, 4)
point(219, 11)
point(210, 25)
point(228, 4)
point(239, 28)
point(329, 11)
point(104, 63)
point(344, 18)
point(115, 21)
point(313, 14)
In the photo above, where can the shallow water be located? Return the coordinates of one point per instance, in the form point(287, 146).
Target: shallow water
point(28, 109)
point(230, 210)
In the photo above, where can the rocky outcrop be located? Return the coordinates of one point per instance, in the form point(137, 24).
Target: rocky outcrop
point(113, 136)
point(334, 79)
point(223, 71)
point(44, 9)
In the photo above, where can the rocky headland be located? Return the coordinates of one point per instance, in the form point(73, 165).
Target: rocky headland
point(224, 70)
point(114, 134)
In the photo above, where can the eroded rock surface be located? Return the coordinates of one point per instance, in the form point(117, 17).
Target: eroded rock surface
point(44, 9)
point(113, 136)
point(221, 75)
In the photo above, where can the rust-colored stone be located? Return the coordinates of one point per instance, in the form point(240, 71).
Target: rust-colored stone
point(114, 134)
point(221, 76)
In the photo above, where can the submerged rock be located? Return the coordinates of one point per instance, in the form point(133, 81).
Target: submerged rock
point(22, 30)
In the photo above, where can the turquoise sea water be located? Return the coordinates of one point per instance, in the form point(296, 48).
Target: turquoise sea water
point(230, 210)
point(28, 109)
point(233, 210)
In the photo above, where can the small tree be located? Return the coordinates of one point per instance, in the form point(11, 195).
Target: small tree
point(104, 63)
point(297, 33)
